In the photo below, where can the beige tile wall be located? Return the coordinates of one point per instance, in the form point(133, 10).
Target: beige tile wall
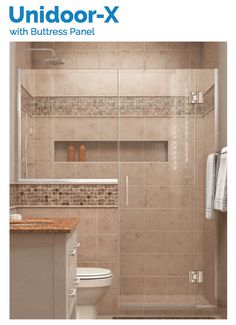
point(46, 162)
point(130, 82)
point(179, 132)
point(23, 57)
point(70, 82)
point(113, 55)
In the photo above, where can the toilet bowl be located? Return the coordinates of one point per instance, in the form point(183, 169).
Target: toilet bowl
point(92, 286)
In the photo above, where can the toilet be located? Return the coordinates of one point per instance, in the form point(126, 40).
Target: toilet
point(92, 286)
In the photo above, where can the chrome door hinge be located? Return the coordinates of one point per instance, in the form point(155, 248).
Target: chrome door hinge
point(196, 97)
point(195, 276)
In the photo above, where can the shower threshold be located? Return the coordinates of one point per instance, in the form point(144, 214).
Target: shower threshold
point(165, 317)
point(164, 301)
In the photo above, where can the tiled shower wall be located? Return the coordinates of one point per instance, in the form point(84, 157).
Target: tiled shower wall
point(123, 55)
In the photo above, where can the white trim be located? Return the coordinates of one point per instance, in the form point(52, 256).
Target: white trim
point(41, 181)
point(18, 127)
point(216, 122)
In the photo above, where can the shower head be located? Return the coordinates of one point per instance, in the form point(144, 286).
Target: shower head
point(53, 60)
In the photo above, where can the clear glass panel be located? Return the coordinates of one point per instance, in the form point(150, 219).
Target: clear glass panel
point(158, 188)
point(69, 124)
point(207, 229)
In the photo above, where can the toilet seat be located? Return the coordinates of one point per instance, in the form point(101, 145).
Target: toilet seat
point(89, 273)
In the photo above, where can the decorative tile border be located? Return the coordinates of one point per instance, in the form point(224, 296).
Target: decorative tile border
point(209, 99)
point(163, 105)
point(27, 101)
point(82, 195)
point(85, 106)
point(109, 106)
point(106, 106)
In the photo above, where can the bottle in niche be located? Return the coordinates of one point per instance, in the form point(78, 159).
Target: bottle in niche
point(82, 153)
point(71, 152)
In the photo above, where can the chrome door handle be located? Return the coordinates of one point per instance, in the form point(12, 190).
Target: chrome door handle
point(126, 191)
point(72, 293)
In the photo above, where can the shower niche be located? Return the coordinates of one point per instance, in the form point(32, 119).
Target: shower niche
point(107, 151)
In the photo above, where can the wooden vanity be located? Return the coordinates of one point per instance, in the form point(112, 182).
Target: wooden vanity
point(43, 260)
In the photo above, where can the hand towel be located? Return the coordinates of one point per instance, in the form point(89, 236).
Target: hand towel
point(220, 202)
point(210, 185)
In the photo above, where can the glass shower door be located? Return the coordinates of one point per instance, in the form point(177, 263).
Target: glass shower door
point(158, 188)
point(207, 288)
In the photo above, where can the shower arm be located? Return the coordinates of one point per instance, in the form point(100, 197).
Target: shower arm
point(43, 49)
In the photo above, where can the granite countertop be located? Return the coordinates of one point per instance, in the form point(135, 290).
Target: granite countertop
point(44, 225)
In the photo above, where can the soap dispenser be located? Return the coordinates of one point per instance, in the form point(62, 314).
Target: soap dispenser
point(71, 152)
point(82, 153)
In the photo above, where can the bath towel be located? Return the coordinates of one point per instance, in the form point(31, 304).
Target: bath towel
point(220, 202)
point(210, 185)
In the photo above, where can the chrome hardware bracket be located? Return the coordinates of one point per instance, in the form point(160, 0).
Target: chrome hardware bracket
point(195, 97)
point(195, 276)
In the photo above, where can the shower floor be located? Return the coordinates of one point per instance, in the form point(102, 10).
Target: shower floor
point(162, 301)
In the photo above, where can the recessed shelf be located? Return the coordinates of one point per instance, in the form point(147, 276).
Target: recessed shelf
point(107, 151)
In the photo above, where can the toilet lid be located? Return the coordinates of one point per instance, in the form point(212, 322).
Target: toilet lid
point(93, 273)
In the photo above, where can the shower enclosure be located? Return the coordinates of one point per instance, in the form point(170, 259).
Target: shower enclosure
point(167, 129)
point(149, 132)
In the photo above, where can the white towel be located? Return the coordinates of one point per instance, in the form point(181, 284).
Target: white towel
point(220, 202)
point(210, 185)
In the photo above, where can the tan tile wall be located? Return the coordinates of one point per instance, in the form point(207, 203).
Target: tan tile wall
point(45, 162)
point(158, 82)
point(23, 57)
point(115, 55)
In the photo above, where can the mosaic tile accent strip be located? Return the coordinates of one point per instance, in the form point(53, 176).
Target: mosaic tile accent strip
point(209, 99)
point(99, 106)
point(109, 106)
point(83, 195)
point(163, 105)
point(27, 101)
point(106, 106)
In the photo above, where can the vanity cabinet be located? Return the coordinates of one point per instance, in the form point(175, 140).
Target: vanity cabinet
point(43, 275)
